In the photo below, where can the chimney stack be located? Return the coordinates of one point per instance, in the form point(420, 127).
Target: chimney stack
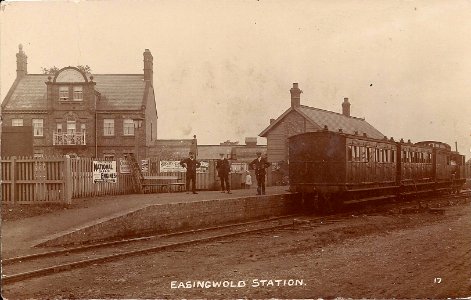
point(346, 107)
point(295, 96)
point(21, 62)
point(148, 67)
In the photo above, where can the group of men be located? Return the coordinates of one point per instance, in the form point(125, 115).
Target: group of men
point(223, 167)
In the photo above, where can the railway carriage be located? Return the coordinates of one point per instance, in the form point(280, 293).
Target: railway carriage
point(331, 168)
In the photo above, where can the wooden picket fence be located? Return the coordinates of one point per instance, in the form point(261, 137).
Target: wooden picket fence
point(35, 180)
point(61, 179)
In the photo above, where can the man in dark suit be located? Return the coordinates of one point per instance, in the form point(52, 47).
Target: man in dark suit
point(190, 164)
point(259, 165)
point(223, 167)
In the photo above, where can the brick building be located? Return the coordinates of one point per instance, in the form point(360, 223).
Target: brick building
point(85, 115)
point(300, 118)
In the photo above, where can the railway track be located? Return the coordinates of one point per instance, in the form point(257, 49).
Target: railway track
point(42, 264)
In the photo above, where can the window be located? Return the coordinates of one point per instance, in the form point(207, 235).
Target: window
point(128, 127)
point(71, 127)
point(83, 128)
point(38, 127)
point(108, 125)
point(17, 122)
point(349, 152)
point(64, 93)
point(59, 128)
point(78, 95)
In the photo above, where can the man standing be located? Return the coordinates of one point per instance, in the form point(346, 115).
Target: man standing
point(259, 165)
point(223, 167)
point(190, 164)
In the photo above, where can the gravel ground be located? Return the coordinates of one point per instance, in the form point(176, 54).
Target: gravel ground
point(419, 255)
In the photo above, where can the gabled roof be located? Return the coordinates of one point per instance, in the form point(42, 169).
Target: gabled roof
point(117, 92)
point(334, 121)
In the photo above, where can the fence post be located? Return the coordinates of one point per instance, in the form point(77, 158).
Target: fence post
point(67, 180)
point(13, 179)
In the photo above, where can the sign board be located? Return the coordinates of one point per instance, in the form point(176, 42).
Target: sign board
point(171, 166)
point(174, 166)
point(204, 167)
point(145, 166)
point(104, 171)
point(239, 167)
point(124, 167)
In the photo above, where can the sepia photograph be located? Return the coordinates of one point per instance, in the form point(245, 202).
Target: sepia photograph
point(247, 149)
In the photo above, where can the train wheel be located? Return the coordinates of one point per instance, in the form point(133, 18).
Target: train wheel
point(329, 203)
point(310, 202)
point(325, 203)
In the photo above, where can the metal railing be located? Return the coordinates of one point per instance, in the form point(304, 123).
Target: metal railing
point(76, 138)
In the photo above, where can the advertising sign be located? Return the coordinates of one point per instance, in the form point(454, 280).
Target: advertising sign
point(124, 167)
point(204, 167)
point(171, 166)
point(174, 166)
point(145, 166)
point(238, 167)
point(104, 171)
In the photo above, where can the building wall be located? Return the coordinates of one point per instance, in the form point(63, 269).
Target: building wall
point(17, 141)
point(277, 143)
point(277, 138)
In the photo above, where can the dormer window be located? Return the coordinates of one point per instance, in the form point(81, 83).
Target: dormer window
point(63, 93)
point(78, 95)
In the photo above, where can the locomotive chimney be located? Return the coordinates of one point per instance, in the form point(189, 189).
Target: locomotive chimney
point(346, 107)
point(295, 96)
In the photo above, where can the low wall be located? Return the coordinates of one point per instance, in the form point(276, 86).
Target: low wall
point(179, 216)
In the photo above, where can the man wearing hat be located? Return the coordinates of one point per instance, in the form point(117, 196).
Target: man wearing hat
point(223, 167)
point(190, 164)
point(259, 165)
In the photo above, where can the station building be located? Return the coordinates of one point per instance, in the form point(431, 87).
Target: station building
point(84, 115)
point(299, 119)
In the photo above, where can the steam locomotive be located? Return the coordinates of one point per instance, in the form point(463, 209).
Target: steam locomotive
point(333, 168)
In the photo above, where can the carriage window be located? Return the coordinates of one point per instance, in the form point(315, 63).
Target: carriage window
point(368, 154)
point(363, 154)
point(393, 154)
point(349, 153)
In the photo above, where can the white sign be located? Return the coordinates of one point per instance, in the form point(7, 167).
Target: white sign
point(124, 167)
point(171, 166)
point(174, 166)
point(104, 171)
point(204, 167)
point(145, 166)
point(238, 167)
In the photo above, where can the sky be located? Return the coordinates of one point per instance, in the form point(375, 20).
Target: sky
point(222, 69)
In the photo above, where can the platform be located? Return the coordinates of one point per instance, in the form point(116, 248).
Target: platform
point(129, 215)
